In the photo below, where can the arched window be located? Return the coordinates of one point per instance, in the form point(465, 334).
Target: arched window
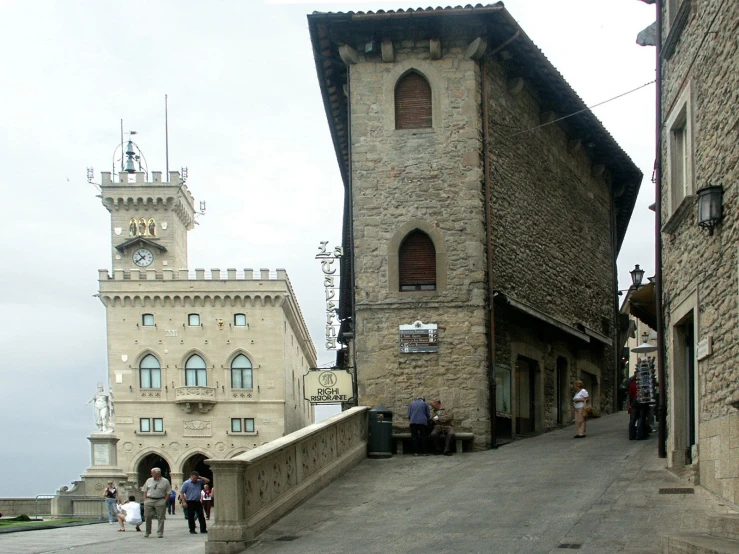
point(241, 373)
point(150, 373)
point(195, 374)
point(417, 262)
point(412, 102)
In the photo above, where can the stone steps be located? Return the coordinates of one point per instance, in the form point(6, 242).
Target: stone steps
point(722, 538)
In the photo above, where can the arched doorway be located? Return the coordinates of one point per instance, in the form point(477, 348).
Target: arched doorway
point(196, 462)
point(149, 462)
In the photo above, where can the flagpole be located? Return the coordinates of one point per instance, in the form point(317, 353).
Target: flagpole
point(166, 136)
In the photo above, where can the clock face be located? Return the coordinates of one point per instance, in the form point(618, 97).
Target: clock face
point(143, 257)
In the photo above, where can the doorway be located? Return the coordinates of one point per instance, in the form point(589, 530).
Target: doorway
point(148, 463)
point(685, 389)
point(563, 389)
point(196, 462)
point(526, 398)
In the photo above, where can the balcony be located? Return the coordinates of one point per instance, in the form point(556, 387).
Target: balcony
point(191, 399)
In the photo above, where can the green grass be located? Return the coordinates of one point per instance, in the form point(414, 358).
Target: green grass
point(9, 523)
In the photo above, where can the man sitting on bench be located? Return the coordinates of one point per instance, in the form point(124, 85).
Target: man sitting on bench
point(443, 432)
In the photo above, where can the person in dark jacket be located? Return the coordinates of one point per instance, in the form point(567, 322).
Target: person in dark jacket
point(418, 416)
point(443, 434)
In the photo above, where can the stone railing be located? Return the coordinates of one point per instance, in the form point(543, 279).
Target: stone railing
point(258, 487)
point(215, 274)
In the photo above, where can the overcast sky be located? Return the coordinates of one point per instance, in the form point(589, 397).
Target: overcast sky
point(247, 119)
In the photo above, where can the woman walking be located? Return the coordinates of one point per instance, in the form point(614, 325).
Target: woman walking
point(579, 401)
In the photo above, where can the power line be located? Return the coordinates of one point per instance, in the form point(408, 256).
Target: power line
point(586, 109)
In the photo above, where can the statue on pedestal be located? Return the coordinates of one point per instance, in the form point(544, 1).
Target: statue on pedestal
point(104, 409)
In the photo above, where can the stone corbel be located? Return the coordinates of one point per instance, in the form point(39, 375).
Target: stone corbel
point(387, 50)
point(477, 48)
point(348, 55)
point(515, 85)
point(435, 49)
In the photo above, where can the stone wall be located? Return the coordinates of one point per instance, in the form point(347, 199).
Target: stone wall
point(427, 179)
point(697, 266)
point(11, 507)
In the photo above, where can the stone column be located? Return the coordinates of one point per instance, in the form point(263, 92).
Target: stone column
point(176, 479)
point(229, 534)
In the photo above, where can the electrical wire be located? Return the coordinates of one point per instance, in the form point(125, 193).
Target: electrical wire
point(586, 109)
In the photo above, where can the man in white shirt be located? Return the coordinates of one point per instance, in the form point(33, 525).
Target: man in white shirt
point(579, 401)
point(130, 513)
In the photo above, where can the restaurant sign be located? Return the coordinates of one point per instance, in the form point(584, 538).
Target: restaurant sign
point(328, 386)
point(419, 337)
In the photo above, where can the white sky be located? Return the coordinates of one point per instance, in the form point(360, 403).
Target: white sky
point(246, 117)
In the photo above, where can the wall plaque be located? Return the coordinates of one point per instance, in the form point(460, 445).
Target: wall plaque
point(704, 348)
point(100, 455)
point(197, 428)
point(419, 337)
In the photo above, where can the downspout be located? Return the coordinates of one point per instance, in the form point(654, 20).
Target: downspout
point(492, 386)
point(662, 406)
point(350, 193)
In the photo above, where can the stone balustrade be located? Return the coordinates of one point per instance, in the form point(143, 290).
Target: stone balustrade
point(199, 274)
point(257, 488)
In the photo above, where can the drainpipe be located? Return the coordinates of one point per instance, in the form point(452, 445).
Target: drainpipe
point(350, 193)
point(662, 406)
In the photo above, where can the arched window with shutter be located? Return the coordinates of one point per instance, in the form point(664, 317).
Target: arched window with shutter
point(417, 262)
point(412, 102)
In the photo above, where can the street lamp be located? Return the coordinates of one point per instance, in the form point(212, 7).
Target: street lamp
point(710, 207)
point(645, 337)
point(637, 274)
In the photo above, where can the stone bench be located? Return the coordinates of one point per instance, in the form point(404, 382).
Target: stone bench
point(398, 439)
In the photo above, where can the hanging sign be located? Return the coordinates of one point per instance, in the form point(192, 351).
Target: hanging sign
point(328, 386)
point(419, 337)
point(330, 285)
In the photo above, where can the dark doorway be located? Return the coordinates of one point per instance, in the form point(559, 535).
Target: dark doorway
point(196, 462)
point(526, 372)
point(687, 331)
point(563, 388)
point(149, 462)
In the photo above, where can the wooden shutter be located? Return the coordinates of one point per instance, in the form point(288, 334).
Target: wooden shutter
point(417, 261)
point(412, 102)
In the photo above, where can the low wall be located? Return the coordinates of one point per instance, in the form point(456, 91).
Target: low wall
point(257, 488)
point(29, 506)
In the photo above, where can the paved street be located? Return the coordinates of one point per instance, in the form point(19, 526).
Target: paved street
point(532, 496)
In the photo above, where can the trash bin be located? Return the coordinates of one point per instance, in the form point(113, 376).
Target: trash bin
point(380, 433)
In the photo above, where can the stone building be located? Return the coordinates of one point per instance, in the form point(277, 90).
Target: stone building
point(474, 205)
point(699, 72)
point(201, 364)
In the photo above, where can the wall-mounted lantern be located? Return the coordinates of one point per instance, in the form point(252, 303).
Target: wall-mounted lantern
point(710, 207)
point(637, 274)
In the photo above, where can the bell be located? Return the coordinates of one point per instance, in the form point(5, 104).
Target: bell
point(130, 167)
point(129, 149)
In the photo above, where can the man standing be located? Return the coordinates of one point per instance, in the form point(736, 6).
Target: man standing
point(156, 489)
point(190, 496)
point(418, 415)
point(443, 432)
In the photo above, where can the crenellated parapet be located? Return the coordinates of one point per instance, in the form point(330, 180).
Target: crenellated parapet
point(135, 193)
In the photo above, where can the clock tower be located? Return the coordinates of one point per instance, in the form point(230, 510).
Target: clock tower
point(149, 220)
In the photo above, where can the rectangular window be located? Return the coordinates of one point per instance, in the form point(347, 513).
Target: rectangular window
point(196, 378)
point(249, 425)
point(147, 320)
point(145, 425)
point(236, 425)
point(151, 378)
point(240, 320)
point(242, 379)
point(193, 320)
point(158, 425)
point(680, 151)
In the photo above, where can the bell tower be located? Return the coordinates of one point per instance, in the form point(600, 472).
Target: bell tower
point(149, 219)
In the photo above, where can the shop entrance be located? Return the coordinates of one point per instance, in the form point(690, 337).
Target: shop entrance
point(526, 397)
point(684, 388)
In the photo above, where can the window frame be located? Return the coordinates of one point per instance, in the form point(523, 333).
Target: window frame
point(416, 287)
point(143, 420)
point(246, 426)
point(144, 319)
point(680, 166)
point(242, 373)
point(190, 320)
point(236, 420)
point(150, 371)
point(397, 109)
point(236, 324)
point(198, 373)
point(154, 422)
